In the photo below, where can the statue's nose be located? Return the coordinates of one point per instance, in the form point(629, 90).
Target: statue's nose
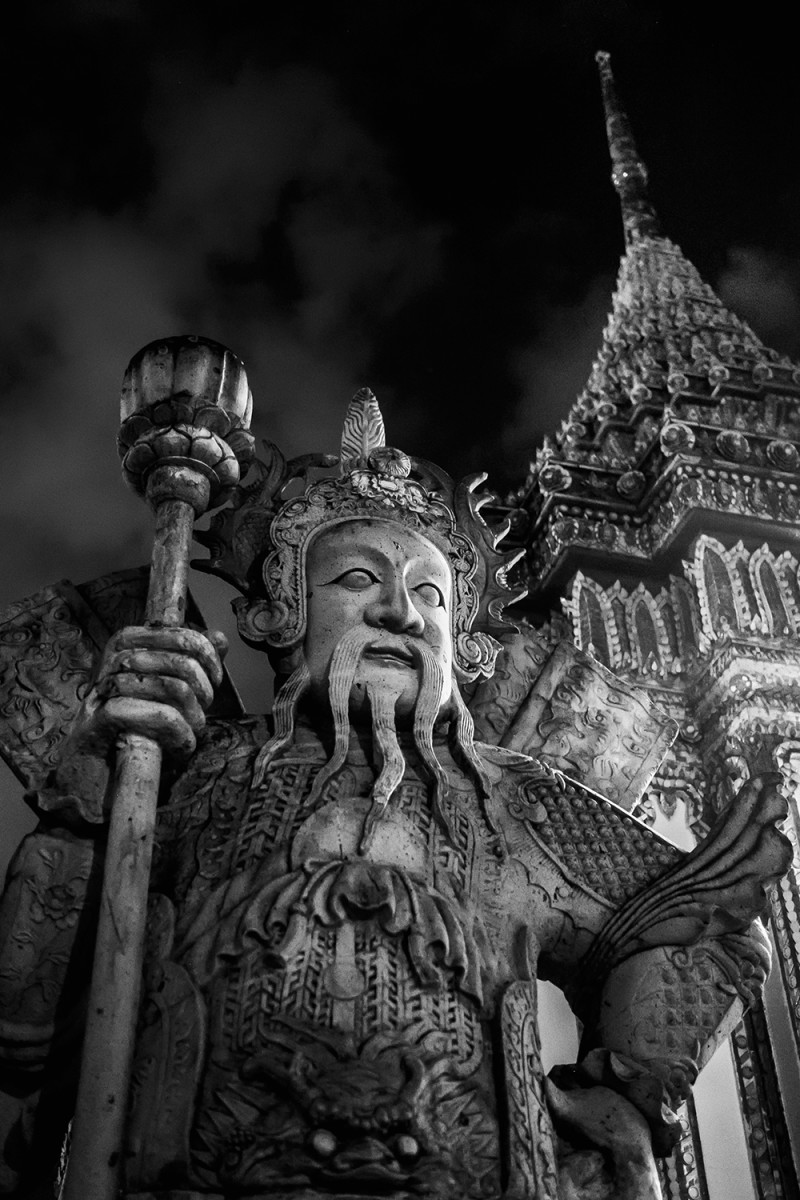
point(394, 610)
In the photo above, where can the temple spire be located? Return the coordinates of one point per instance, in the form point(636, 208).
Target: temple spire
point(628, 172)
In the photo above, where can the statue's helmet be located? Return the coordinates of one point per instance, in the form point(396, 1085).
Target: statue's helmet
point(260, 542)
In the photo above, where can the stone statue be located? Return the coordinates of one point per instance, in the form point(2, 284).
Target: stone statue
point(351, 901)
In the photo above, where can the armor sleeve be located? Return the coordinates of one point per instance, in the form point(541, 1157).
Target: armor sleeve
point(673, 970)
point(47, 923)
point(658, 951)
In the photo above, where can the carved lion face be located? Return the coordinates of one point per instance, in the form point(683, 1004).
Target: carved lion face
point(396, 583)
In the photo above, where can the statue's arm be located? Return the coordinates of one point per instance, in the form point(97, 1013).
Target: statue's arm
point(47, 919)
point(660, 1015)
point(669, 975)
point(657, 980)
point(152, 682)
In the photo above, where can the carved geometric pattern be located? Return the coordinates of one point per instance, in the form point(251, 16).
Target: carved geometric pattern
point(190, 847)
point(254, 997)
point(271, 812)
point(690, 989)
point(614, 855)
point(454, 856)
point(398, 1000)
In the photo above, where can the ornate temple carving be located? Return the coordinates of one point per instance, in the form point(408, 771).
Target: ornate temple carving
point(661, 516)
point(352, 900)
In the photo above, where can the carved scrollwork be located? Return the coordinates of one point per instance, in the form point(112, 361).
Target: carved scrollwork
point(579, 719)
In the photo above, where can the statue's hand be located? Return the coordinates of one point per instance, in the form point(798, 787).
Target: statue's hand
point(153, 682)
point(606, 1147)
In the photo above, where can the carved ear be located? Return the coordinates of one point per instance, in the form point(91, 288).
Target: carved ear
point(475, 654)
point(259, 620)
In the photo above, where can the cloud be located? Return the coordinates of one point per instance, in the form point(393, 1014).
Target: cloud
point(763, 288)
point(554, 368)
point(306, 243)
point(274, 156)
point(79, 295)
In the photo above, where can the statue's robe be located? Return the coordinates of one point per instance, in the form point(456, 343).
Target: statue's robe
point(316, 1022)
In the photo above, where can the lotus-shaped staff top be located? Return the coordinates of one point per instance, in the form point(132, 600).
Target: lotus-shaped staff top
point(186, 403)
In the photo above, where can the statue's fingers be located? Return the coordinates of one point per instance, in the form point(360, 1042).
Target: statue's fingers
point(182, 641)
point(161, 722)
point(219, 641)
point(163, 663)
point(156, 689)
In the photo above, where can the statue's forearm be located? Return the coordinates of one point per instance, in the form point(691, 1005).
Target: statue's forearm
point(47, 916)
point(47, 920)
point(661, 1015)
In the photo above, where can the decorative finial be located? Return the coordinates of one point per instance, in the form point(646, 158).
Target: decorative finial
point(363, 431)
point(628, 172)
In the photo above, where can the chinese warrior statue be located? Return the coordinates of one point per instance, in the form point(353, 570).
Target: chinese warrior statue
point(351, 901)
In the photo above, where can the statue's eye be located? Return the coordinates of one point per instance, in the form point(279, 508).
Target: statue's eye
point(357, 580)
point(430, 594)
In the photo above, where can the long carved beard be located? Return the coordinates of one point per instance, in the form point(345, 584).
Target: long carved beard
point(341, 676)
point(284, 713)
point(382, 701)
point(429, 703)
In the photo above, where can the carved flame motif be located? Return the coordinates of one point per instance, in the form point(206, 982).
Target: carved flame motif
point(363, 431)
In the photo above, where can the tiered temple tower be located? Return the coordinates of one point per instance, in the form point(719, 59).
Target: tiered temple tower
point(663, 515)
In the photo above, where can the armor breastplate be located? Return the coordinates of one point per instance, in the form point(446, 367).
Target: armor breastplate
point(346, 995)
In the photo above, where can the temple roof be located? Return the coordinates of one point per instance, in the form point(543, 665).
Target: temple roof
point(675, 367)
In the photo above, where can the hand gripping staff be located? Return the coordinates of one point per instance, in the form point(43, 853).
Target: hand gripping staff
point(185, 411)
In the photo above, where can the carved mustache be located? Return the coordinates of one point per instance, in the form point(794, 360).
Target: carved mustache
point(408, 654)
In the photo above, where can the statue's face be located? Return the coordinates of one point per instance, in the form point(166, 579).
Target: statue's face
point(387, 579)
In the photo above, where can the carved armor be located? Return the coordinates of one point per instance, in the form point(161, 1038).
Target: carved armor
point(353, 997)
point(347, 922)
point(317, 1022)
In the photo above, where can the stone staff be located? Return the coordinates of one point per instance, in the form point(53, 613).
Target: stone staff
point(185, 411)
